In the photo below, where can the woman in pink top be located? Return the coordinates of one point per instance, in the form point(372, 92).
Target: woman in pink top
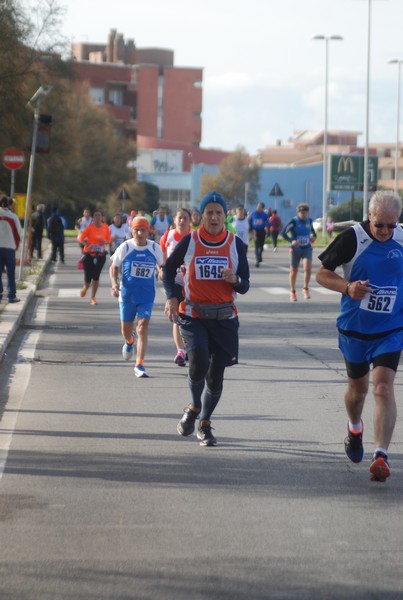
point(168, 242)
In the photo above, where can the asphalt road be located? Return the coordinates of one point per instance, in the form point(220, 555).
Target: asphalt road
point(100, 498)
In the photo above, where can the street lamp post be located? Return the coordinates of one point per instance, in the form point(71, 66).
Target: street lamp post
point(34, 103)
point(324, 191)
point(366, 151)
point(365, 175)
point(395, 61)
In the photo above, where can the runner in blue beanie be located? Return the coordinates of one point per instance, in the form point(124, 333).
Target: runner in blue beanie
point(213, 197)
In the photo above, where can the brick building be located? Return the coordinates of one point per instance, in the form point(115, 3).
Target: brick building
point(143, 90)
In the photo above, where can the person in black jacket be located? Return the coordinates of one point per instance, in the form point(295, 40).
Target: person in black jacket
point(55, 226)
point(37, 225)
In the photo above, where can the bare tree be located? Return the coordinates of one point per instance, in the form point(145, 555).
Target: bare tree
point(25, 35)
point(88, 157)
point(236, 177)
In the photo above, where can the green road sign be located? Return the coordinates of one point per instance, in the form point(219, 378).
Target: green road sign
point(347, 173)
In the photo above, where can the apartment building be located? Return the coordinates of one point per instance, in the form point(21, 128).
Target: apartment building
point(142, 89)
point(306, 147)
point(387, 165)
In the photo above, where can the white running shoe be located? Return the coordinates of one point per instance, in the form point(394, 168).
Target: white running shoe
point(140, 371)
point(127, 351)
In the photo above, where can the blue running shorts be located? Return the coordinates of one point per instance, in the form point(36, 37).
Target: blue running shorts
point(298, 254)
point(129, 309)
point(359, 354)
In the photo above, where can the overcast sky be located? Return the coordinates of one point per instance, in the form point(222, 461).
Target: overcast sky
point(263, 75)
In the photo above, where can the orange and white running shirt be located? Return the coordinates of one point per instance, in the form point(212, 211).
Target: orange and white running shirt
point(203, 282)
point(95, 238)
point(168, 242)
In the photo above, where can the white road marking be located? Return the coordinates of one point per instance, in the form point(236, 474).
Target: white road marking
point(69, 293)
point(18, 387)
point(19, 383)
point(278, 291)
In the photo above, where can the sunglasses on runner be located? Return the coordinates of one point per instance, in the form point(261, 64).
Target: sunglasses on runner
point(389, 225)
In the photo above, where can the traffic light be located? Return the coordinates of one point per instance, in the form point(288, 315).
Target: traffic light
point(43, 135)
point(43, 138)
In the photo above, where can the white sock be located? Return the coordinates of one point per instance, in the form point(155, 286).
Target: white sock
point(383, 450)
point(355, 427)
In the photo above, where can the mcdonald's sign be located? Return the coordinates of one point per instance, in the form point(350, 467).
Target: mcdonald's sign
point(347, 173)
point(346, 165)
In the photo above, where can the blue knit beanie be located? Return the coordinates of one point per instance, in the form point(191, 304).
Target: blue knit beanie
point(213, 197)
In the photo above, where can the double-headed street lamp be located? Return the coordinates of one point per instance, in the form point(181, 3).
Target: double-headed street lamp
point(324, 193)
point(366, 149)
point(398, 62)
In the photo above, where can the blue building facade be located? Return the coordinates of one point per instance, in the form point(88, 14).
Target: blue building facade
point(295, 183)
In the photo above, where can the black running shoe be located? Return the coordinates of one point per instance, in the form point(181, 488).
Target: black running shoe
point(205, 436)
point(186, 425)
point(353, 446)
point(180, 358)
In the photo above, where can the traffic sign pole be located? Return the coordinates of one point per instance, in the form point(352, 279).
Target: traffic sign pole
point(13, 159)
point(29, 190)
point(12, 185)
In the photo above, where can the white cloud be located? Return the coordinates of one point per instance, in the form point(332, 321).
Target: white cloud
point(227, 82)
point(263, 73)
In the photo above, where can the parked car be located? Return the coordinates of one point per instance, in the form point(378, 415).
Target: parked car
point(338, 226)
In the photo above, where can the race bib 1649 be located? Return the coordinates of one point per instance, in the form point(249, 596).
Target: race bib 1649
point(210, 267)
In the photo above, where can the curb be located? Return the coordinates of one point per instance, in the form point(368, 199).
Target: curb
point(12, 314)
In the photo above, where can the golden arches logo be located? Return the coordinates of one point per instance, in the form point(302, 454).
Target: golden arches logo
point(345, 165)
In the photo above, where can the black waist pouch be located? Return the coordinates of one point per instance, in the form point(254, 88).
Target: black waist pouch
point(213, 311)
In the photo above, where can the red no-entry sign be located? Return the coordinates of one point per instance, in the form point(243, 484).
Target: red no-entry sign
point(13, 158)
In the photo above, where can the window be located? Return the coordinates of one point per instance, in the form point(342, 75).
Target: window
point(159, 125)
point(160, 92)
point(97, 95)
point(160, 115)
point(387, 174)
point(116, 97)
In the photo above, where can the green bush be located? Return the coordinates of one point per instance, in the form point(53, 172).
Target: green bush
point(351, 210)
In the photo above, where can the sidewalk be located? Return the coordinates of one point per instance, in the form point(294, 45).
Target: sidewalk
point(11, 314)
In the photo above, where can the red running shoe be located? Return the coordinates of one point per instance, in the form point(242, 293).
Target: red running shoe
point(379, 469)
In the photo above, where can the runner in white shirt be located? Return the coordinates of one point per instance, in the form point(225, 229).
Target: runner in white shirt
point(119, 232)
point(241, 225)
point(160, 223)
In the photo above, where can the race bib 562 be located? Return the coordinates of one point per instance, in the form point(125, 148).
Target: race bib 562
point(380, 300)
